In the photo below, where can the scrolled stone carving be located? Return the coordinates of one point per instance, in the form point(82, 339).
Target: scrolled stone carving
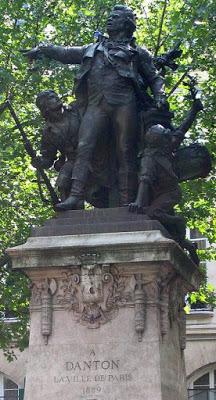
point(164, 293)
point(139, 302)
point(35, 294)
point(92, 294)
point(164, 311)
point(152, 289)
point(42, 293)
point(46, 315)
point(182, 329)
point(177, 300)
point(165, 285)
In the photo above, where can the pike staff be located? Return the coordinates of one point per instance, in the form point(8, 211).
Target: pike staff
point(31, 152)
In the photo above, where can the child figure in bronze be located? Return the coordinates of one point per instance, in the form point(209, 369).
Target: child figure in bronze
point(159, 190)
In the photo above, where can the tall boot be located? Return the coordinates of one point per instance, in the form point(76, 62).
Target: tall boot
point(75, 201)
point(128, 185)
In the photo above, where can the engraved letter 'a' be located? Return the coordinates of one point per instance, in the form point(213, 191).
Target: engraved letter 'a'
point(92, 354)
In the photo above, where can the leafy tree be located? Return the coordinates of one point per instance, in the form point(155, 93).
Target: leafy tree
point(204, 298)
point(26, 24)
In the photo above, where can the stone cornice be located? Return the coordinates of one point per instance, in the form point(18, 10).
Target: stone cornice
point(128, 248)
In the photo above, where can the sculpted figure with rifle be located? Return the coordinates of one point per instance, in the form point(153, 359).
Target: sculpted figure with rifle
point(59, 138)
point(59, 149)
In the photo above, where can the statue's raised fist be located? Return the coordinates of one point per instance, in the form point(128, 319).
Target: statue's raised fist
point(31, 54)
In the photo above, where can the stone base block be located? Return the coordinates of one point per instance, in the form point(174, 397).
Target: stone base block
point(107, 319)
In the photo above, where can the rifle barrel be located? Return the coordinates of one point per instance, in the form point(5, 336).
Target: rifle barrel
point(32, 154)
point(177, 83)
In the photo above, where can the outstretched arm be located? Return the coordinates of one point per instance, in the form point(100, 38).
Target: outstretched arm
point(66, 55)
point(191, 116)
point(180, 132)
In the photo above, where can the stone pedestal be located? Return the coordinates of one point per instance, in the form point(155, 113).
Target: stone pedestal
point(107, 320)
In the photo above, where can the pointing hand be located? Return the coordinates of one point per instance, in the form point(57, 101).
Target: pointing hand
point(31, 54)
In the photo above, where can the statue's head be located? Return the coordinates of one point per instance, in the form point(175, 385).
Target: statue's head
point(48, 102)
point(158, 136)
point(121, 18)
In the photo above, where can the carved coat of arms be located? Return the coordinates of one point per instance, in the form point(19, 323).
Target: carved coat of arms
point(92, 294)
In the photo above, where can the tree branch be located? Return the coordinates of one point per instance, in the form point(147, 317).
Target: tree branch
point(161, 27)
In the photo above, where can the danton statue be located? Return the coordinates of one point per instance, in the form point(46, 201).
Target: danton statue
point(120, 110)
point(110, 86)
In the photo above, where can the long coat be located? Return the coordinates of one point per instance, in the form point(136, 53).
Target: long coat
point(134, 63)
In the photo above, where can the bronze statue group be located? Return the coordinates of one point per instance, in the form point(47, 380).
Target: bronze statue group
point(94, 142)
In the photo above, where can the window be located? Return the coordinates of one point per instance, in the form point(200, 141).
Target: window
point(203, 388)
point(195, 236)
point(9, 390)
point(201, 243)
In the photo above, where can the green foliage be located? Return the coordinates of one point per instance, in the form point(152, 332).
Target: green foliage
point(14, 303)
point(24, 25)
point(205, 296)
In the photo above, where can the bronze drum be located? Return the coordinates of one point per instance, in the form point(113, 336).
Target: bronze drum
point(192, 162)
